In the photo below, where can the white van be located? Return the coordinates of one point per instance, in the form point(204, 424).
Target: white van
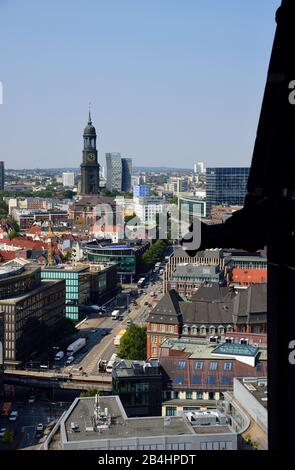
point(115, 314)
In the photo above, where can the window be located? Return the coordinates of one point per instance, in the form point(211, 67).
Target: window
point(163, 328)
point(213, 366)
point(154, 327)
point(171, 329)
point(227, 366)
point(178, 379)
point(170, 410)
point(154, 339)
point(181, 365)
point(211, 380)
point(258, 367)
point(189, 395)
point(225, 380)
point(196, 379)
point(199, 395)
point(199, 365)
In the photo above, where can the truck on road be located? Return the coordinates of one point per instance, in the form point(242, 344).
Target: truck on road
point(76, 346)
point(110, 364)
point(118, 337)
point(115, 314)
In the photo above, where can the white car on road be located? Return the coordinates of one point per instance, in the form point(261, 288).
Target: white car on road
point(13, 416)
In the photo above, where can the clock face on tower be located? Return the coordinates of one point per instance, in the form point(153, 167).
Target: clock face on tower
point(90, 157)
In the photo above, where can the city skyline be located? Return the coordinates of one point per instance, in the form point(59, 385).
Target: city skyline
point(160, 80)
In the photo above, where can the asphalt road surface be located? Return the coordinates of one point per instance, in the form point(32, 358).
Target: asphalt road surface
point(102, 347)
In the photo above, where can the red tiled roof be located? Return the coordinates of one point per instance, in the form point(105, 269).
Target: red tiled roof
point(35, 229)
point(27, 243)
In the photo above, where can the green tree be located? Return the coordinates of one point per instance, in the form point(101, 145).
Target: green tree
point(8, 437)
point(3, 209)
point(14, 224)
point(12, 234)
point(133, 343)
point(154, 253)
point(127, 218)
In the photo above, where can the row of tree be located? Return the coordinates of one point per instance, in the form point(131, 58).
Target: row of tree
point(154, 253)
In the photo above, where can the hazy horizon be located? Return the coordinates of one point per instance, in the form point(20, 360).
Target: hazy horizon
point(169, 81)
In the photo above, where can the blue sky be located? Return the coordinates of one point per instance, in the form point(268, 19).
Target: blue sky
point(171, 82)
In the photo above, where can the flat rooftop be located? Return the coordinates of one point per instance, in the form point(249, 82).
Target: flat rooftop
point(257, 387)
point(132, 368)
point(45, 284)
point(65, 268)
point(202, 349)
point(10, 271)
point(81, 412)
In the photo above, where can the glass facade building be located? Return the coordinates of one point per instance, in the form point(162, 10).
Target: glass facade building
point(114, 171)
point(77, 287)
point(127, 257)
point(141, 190)
point(226, 186)
point(126, 174)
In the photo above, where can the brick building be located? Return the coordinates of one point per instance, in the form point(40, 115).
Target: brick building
point(213, 311)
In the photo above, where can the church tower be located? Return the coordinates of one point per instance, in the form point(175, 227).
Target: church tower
point(89, 165)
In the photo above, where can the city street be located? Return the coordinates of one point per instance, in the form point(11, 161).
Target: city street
point(100, 347)
point(29, 416)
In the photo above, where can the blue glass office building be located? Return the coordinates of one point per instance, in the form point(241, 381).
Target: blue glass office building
point(77, 286)
point(226, 186)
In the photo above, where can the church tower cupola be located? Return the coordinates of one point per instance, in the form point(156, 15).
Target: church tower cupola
point(89, 166)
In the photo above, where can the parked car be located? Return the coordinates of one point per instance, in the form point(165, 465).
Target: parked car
point(32, 399)
point(13, 416)
point(2, 432)
point(69, 360)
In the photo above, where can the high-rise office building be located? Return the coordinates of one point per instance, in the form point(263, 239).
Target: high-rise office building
point(226, 186)
point(68, 179)
point(114, 171)
point(1, 176)
point(119, 172)
point(199, 168)
point(126, 174)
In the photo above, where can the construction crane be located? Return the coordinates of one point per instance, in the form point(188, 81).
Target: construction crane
point(50, 235)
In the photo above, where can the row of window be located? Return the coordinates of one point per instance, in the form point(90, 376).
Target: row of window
point(212, 366)
point(197, 380)
point(162, 328)
point(194, 330)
